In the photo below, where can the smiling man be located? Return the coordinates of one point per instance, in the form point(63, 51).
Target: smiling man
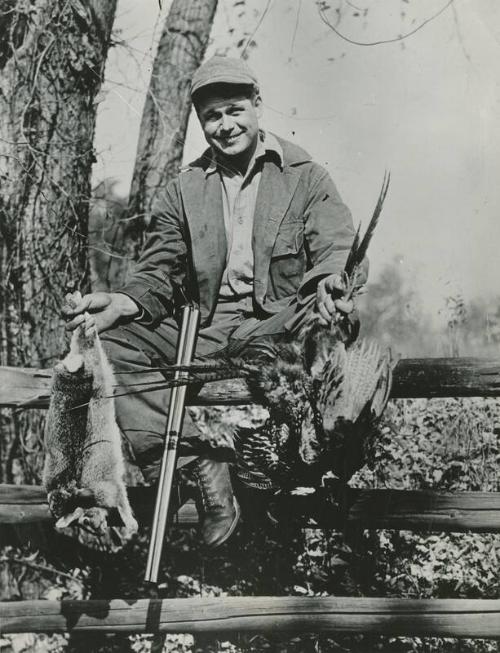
point(229, 116)
point(256, 233)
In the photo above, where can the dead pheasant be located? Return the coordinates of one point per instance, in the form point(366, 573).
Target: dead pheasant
point(325, 396)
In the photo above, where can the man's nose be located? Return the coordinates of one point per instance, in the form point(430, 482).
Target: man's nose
point(226, 124)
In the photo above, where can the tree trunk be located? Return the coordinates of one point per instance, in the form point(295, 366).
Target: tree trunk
point(52, 55)
point(165, 117)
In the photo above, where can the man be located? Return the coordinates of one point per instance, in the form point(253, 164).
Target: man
point(253, 231)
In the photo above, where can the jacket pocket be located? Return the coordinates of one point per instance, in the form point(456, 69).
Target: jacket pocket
point(288, 261)
point(289, 239)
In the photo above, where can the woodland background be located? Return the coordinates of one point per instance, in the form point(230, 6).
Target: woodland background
point(64, 223)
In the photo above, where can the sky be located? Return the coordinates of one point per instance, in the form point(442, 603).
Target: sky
point(426, 107)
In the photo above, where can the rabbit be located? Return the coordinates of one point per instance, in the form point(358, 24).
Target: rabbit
point(84, 465)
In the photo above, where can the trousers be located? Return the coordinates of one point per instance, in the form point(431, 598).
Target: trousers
point(137, 351)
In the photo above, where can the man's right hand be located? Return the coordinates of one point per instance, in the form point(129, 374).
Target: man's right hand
point(106, 310)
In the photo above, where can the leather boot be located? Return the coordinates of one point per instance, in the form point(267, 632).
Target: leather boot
point(219, 511)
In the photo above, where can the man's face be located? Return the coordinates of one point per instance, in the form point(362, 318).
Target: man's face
point(231, 123)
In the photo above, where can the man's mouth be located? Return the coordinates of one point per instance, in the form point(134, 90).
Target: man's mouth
point(230, 140)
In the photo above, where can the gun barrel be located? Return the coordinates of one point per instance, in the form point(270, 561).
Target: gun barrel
point(185, 350)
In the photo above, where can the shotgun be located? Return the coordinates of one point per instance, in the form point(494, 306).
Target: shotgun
point(185, 350)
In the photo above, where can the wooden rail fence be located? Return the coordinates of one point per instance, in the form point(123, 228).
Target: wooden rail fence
point(419, 617)
point(413, 378)
point(394, 509)
point(381, 508)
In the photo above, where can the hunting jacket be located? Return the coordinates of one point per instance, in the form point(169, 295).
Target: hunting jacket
point(302, 232)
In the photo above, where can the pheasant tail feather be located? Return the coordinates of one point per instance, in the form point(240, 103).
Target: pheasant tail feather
point(359, 249)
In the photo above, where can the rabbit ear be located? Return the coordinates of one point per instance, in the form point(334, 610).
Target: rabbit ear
point(66, 520)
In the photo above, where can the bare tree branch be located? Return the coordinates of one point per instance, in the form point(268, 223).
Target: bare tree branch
point(322, 14)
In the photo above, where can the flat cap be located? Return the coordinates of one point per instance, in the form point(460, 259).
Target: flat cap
point(223, 70)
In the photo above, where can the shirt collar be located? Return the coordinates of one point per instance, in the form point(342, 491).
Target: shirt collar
point(267, 145)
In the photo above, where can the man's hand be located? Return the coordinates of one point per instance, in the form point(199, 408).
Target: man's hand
point(329, 298)
point(105, 309)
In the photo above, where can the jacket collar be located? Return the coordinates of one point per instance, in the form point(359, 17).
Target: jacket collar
point(267, 147)
point(289, 154)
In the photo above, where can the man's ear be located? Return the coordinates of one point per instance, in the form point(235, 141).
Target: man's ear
point(257, 102)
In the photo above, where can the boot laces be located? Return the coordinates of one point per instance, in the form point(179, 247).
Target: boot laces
point(209, 497)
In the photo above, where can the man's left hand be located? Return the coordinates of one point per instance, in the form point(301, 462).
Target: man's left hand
point(330, 298)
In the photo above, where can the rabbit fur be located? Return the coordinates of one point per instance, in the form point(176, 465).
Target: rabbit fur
point(84, 465)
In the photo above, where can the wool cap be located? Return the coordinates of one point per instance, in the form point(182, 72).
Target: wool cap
point(223, 70)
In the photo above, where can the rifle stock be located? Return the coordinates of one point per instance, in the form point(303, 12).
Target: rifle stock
point(185, 350)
